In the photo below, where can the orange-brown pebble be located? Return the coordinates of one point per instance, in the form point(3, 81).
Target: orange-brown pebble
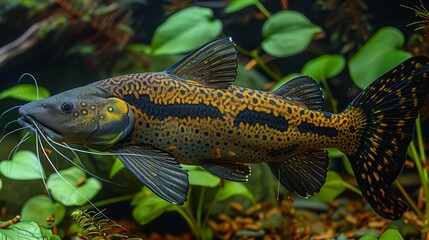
point(236, 206)
point(254, 226)
point(244, 220)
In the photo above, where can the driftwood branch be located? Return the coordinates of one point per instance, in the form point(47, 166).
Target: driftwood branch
point(27, 40)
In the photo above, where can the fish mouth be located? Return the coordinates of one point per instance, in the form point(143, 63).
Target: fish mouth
point(34, 127)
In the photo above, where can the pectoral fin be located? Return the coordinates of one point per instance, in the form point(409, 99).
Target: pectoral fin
point(304, 173)
point(157, 170)
point(237, 172)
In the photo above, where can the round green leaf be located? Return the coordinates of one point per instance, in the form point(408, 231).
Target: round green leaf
point(380, 54)
point(200, 177)
point(22, 230)
point(185, 31)
point(324, 67)
point(237, 5)
point(148, 206)
point(287, 33)
point(40, 207)
point(23, 166)
point(333, 187)
point(72, 188)
point(391, 234)
point(25, 92)
point(230, 189)
point(368, 237)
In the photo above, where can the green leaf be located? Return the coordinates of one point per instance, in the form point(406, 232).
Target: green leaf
point(380, 54)
point(23, 166)
point(40, 207)
point(1, 184)
point(287, 33)
point(25, 92)
point(200, 177)
point(22, 230)
point(75, 189)
point(250, 78)
point(185, 31)
point(391, 234)
point(333, 187)
point(148, 206)
point(335, 153)
point(230, 189)
point(237, 5)
point(324, 67)
point(117, 166)
point(368, 237)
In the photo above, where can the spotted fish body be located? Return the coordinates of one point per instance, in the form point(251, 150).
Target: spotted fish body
point(191, 114)
point(195, 123)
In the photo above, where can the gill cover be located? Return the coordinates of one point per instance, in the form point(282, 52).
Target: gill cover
point(115, 121)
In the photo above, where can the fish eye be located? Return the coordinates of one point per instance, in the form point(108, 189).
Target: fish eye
point(67, 107)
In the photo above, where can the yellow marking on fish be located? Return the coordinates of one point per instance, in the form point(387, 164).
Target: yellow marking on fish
point(218, 153)
point(171, 148)
point(231, 154)
point(376, 176)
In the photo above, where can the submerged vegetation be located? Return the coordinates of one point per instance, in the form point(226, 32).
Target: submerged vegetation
point(340, 47)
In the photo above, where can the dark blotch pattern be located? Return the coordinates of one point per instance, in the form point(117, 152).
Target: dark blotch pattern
point(253, 118)
point(306, 127)
point(182, 111)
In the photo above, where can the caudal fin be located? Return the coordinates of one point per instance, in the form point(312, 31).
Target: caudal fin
point(387, 110)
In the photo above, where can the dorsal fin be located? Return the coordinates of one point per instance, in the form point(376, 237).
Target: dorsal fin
point(303, 89)
point(212, 65)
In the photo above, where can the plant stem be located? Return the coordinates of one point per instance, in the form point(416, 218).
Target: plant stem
point(200, 206)
point(409, 200)
point(189, 219)
point(334, 102)
point(424, 177)
point(110, 201)
point(209, 211)
point(263, 9)
point(261, 63)
point(424, 180)
point(351, 187)
point(420, 139)
point(243, 51)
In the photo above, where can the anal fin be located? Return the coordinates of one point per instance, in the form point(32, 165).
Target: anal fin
point(237, 172)
point(304, 173)
point(158, 171)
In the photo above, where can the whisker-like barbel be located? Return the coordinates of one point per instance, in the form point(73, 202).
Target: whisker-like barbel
point(9, 110)
point(13, 131)
point(76, 190)
point(101, 153)
point(42, 172)
point(34, 80)
point(48, 141)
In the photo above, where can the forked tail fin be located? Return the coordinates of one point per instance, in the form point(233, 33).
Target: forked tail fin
point(387, 110)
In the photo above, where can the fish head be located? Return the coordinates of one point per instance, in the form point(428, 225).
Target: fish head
point(86, 116)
